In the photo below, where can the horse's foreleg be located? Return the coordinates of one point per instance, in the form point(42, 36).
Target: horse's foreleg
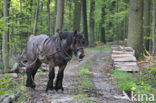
point(59, 80)
point(51, 77)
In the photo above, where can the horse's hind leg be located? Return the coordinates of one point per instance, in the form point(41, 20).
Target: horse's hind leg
point(29, 81)
point(51, 78)
point(31, 71)
point(59, 80)
point(37, 65)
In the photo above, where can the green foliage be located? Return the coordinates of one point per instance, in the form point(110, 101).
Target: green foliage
point(124, 80)
point(100, 48)
point(129, 82)
point(10, 86)
point(86, 84)
point(7, 85)
point(115, 17)
point(84, 75)
point(83, 97)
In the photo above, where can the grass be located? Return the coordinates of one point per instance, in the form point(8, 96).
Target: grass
point(100, 48)
point(138, 83)
point(86, 85)
point(124, 80)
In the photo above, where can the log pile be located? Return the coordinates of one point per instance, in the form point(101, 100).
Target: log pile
point(123, 59)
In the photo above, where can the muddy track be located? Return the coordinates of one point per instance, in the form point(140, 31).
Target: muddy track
point(103, 91)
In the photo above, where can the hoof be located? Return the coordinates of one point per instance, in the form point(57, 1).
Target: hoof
point(57, 89)
point(60, 91)
point(31, 85)
point(50, 91)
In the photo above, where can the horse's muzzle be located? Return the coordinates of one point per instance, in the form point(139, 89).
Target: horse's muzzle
point(80, 55)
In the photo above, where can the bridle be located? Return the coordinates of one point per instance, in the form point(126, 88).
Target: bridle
point(77, 49)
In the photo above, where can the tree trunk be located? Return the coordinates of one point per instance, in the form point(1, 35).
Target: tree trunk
point(41, 18)
point(77, 15)
point(147, 14)
point(85, 25)
point(70, 14)
point(117, 24)
point(59, 15)
point(154, 42)
point(135, 27)
point(103, 38)
point(36, 18)
point(5, 43)
point(48, 11)
point(54, 18)
point(92, 8)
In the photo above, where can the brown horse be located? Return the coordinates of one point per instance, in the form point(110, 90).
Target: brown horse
point(54, 51)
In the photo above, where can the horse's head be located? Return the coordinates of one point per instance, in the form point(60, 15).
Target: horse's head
point(78, 44)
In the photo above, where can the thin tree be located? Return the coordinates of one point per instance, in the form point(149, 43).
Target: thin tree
point(85, 25)
point(54, 18)
point(36, 18)
point(59, 15)
point(48, 21)
point(147, 22)
point(135, 27)
point(41, 18)
point(103, 38)
point(77, 15)
point(5, 41)
point(154, 40)
point(92, 8)
point(70, 14)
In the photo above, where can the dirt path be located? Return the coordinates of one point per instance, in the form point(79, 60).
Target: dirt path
point(103, 90)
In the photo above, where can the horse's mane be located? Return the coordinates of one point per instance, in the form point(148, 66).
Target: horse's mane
point(68, 35)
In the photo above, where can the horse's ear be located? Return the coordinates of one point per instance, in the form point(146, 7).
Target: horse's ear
point(75, 32)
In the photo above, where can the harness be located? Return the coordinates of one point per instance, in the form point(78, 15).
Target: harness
point(59, 49)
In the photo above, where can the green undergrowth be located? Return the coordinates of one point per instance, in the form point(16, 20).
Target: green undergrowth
point(9, 86)
point(86, 85)
point(139, 83)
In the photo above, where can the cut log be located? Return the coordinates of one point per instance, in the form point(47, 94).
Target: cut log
point(126, 66)
point(12, 75)
point(125, 59)
point(125, 63)
point(121, 52)
point(121, 55)
point(7, 98)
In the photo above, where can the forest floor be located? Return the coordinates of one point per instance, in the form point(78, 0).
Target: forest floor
point(86, 81)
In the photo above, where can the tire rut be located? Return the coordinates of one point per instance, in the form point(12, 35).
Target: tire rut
point(105, 89)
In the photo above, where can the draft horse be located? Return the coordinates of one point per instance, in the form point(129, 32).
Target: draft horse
point(56, 50)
